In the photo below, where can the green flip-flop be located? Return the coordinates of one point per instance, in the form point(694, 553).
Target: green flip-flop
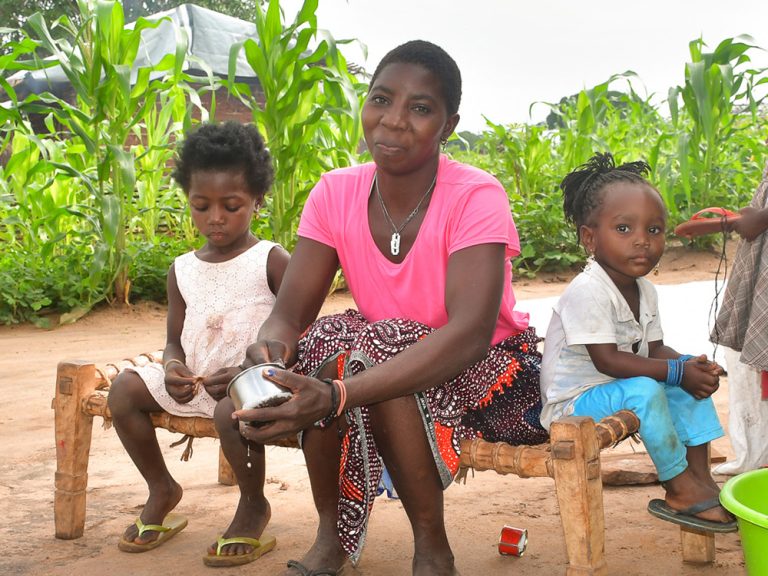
point(260, 547)
point(172, 525)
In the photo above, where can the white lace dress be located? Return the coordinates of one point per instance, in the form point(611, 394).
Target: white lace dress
point(226, 305)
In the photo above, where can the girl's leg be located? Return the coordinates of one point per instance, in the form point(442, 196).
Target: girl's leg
point(247, 461)
point(647, 398)
point(130, 404)
point(402, 442)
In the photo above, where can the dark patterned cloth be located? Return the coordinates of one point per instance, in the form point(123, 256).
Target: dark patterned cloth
point(742, 323)
point(497, 398)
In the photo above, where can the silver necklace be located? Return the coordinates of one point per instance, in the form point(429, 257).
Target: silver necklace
point(394, 241)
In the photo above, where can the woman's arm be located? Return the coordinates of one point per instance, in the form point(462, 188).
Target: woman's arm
point(474, 288)
point(302, 291)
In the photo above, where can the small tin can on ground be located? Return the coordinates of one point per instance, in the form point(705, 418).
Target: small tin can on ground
point(512, 541)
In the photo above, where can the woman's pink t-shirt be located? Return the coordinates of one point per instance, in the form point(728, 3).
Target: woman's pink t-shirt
point(468, 207)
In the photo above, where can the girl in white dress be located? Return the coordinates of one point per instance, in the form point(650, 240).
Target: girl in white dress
point(218, 297)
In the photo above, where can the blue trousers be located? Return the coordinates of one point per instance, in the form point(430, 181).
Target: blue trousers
point(670, 418)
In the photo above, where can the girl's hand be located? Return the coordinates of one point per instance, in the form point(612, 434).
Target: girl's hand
point(180, 383)
point(216, 384)
point(701, 378)
point(311, 402)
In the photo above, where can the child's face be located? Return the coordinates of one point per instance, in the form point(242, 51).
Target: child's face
point(627, 237)
point(221, 207)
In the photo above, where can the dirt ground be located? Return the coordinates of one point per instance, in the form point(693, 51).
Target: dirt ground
point(636, 543)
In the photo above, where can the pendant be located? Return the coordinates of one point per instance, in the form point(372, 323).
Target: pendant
point(394, 244)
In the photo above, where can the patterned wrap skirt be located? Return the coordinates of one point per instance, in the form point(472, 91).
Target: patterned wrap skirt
point(497, 398)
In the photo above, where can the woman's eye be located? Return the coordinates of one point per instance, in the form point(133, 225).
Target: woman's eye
point(378, 99)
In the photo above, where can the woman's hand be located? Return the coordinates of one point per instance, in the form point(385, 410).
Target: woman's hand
point(216, 384)
point(266, 351)
point(180, 383)
point(701, 378)
point(311, 402)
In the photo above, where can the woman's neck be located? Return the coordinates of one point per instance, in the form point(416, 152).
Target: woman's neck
point(402, 191)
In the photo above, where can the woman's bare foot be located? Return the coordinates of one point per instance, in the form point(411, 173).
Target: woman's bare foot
point(162, 499)
point(686, 490)
point(326, 553)
point(251, 517)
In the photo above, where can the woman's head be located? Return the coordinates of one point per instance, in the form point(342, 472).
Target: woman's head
point(411, 107)
point(227, 147)
point(620, 218)
point(432, 58)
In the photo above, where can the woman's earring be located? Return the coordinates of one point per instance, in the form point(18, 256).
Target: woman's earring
point(443, 142)
point(656, 270)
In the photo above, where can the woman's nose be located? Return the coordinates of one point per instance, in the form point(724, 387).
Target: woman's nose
point(393, 117)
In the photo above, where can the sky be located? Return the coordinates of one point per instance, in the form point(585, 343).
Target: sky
point(513, 53)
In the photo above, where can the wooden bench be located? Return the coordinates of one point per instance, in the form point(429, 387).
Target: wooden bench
point(572, 459)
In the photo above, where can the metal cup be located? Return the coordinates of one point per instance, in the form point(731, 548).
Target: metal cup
point(512, 541)
point(250, 389)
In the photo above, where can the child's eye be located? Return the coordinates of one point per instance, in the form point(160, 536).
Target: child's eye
point(622, 228)
point(421, 109)
point(199, 208)
point(656, 230)
point(233, 208)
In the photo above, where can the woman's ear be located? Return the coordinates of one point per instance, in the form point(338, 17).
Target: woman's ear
point(450, 126)
point(587, 238)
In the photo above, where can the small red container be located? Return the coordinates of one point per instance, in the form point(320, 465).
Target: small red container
point(512, 541)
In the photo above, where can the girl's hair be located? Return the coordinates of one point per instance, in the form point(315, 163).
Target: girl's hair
point(583, 188)
point(434, 59)
point(224, 147)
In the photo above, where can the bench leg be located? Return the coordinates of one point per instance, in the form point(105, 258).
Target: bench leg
point(74, 381)
point(226, 474)
point(698, 547)
point(576, 462)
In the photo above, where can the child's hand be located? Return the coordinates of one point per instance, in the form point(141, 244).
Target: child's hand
point(701, 378)
point(216, 384)
point(180, 383)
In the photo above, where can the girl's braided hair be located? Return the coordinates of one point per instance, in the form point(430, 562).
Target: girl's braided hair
point(583, 188)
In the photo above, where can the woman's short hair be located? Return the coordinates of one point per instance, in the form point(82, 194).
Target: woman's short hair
point(434, 59)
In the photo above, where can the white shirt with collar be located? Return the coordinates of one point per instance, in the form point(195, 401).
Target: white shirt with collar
point(591, 311)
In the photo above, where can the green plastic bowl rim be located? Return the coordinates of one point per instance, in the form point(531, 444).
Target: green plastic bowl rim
point(742, 512)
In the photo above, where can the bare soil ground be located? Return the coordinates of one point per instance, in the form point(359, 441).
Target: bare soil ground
point(636, 543)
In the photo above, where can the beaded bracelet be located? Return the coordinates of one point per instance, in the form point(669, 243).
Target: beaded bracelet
point(328, 420)
point(676, 370)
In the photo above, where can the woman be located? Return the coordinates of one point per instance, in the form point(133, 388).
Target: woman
point(424, 243)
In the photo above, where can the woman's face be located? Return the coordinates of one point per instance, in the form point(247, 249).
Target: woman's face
point(405, 118)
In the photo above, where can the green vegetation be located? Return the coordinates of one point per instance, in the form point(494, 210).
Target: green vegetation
point(88, 212)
